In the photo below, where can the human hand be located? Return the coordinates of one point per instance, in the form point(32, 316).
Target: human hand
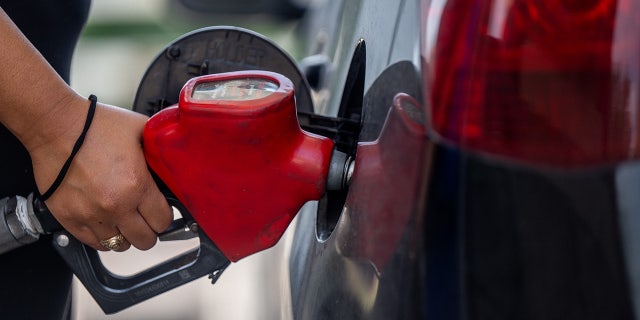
point(108, 188)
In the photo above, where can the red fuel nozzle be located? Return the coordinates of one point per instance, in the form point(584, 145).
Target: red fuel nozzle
point(233, 153)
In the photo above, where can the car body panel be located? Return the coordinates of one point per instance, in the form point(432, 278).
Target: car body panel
point(369, 267)
point(485, 237)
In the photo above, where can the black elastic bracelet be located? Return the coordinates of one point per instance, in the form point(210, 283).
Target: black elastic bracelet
point(76, 147)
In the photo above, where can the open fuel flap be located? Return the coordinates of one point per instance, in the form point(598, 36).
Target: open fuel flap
point(209, 51)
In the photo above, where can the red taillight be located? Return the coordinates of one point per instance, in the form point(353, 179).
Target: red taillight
point(553, 82)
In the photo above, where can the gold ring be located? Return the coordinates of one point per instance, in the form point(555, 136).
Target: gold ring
point(114, 242)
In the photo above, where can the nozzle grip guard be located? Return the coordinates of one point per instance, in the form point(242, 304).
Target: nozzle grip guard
point(113, 292)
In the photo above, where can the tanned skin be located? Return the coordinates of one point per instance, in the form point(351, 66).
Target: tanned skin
point(108, 188)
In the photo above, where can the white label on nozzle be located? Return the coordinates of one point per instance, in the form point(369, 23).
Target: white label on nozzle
point(22, 211)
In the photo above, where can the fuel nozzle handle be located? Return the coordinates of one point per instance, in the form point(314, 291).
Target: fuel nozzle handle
point(23, 220)
point(115, 292)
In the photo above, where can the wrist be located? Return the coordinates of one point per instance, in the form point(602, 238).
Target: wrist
point(56, 126)
point(76, 148)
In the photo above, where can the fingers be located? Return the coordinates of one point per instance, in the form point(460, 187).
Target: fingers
point(101, 238)
point(155, 210)
point(138, 227)
point(132, 228)
point(152, 216)
point(146, 214)
point(136, 230)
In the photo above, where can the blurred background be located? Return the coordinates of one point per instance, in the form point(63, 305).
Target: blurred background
point(121, 39)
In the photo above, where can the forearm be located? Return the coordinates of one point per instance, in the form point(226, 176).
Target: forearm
point(107, 189)
point(33, 98)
